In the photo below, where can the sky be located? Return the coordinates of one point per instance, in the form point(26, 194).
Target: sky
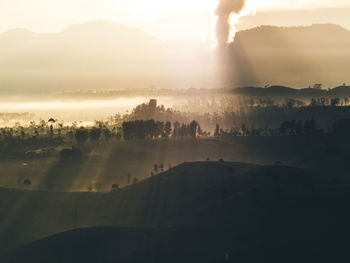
point(164, 19)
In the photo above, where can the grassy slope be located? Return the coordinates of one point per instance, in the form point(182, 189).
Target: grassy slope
point(197, 212)
point(182, 196)
point(110, 163)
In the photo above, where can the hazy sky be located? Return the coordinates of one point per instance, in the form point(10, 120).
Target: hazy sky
point(166, 19)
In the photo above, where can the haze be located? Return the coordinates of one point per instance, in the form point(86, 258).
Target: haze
point(164, 19)
point(57, 50)
point(174, 131)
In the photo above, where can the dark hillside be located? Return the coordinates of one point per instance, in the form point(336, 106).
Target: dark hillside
point(209, 194)
point(257, 227)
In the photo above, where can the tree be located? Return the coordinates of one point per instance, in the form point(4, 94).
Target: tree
point(95, 134)
point(81, 136)
point(51, 121)
point(284, 127)
point(159, 129)
point(107, 133)
point(67, 154)
point(193, 129)
point(318, 86)
point(292, 127)
point(27, 182)
point(313, 102)
point(115, 187)
point(161, 167)
point(128, 130)
point(129, 178)
point(176, 131)
point(167, 129)
point(310, 126)
point(335, 102)
point(217, 130)
point(155, 168)
point(200, 131)
point(244, 129)
point(290, 103)
point(183, 130)
point(299, 128)
point(51, 130)
point(50, 187)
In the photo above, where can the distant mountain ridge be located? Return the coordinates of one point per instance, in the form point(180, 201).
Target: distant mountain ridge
point(102, 54)
point(281, 91)
point(91, 38)
point(305, 34)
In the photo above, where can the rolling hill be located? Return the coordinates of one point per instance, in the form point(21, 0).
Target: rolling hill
point(220, 197)
point(195, 212)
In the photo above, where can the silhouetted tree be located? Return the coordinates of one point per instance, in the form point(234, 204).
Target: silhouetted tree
point(129, 178)
point(217, 130)
point(67, 154)
point(193, 128)
point(335, 102)
point(107, 133)
point(27, 182)
point(299, 128)
point(310, 126)
point(159, 129)
point(95, 134)
point(244, 129)
point(290, 103)
point(51, 130)
point(176, 131)
point(81, 136)
point(167, 129)
point(51, 121)
point(183, 130)
point(115, 187)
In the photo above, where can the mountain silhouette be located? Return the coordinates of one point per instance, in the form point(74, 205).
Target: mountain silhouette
point(108, 55)
point(294, 56)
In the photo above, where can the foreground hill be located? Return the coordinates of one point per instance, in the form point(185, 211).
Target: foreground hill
point(199, 212)
point(189, 245)
point(251, 204)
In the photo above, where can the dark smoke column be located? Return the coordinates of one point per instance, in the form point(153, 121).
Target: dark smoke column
point(223, 12)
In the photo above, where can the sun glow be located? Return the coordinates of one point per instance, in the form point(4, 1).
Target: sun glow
point(249, 9)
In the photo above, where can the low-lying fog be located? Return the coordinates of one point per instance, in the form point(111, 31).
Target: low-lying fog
point(83, 111)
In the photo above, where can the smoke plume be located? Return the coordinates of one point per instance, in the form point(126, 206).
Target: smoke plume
point(225, 9)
